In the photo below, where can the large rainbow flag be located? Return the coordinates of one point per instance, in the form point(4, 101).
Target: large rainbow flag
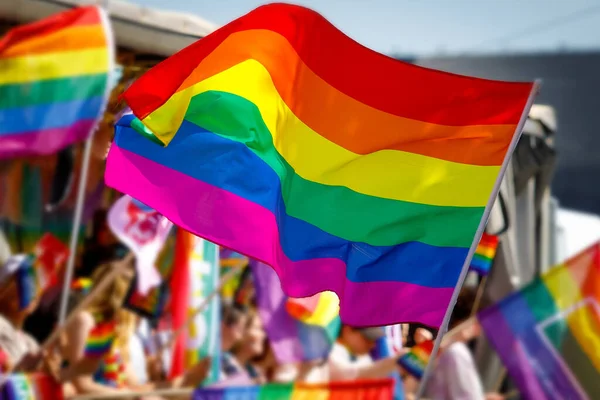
point(343, 169)
point(54, 81)
point(357, 390)
point(548, 333)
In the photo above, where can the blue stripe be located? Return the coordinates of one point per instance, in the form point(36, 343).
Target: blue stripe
point(481, 266)
point(48, 116)
point(231, 166)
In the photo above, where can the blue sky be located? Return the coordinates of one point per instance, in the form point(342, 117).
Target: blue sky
point(434, 26)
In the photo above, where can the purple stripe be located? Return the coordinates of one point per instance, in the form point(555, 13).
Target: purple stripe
point(214, 214)
point(44, 142)
point(512, 354)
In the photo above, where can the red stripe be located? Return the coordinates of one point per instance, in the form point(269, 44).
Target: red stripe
point(374, 79)
point(76, 17)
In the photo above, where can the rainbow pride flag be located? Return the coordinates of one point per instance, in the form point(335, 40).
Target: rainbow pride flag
point(484, 255)
point(343, 169)
point(34, 386)
point(54, 81)
point(415, 361)
point(355, 390)
point(548, 333)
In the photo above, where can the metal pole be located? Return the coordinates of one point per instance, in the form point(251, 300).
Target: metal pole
point(480, 229)
point(66, 290)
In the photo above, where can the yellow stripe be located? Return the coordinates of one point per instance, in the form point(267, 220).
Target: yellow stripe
point(387, 173)
point(327, 309)
point(562, 286)
point(565, 290)
point(53, 66)
point(584, 327)
point(488, 252)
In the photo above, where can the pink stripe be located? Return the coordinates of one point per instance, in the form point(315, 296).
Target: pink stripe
point(44, 142)
point(214, 214)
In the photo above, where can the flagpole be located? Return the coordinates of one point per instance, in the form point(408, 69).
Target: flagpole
point(85, 164)
point(477, 238)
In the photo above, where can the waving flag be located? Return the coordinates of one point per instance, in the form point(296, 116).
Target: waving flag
point(343, 169)
point(484, 255)
point(548, 333)
point(54, 81)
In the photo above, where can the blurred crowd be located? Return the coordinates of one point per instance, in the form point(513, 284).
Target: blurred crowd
point(105, 348)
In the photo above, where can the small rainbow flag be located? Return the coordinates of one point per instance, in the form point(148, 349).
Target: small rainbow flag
point(355, 390)
point(548, 333)
point(34, 386)
point(289, 142)
point(100, 339)
point(82, 285)
point(415, 361)
point(484, 255)
point(55, 81)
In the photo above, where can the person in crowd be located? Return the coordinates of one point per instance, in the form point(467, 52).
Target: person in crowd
point(233, 323)
point(21, 351)
point(97, 353)
point(250, 346)
point(349, 359)
point(455, 375)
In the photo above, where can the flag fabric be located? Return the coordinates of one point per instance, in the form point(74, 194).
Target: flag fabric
point(343, 169)
point(548, 333)
point(294, 337)
point(355, 390)
point(415, 361)
point(484, 254)
point(55, 81)
point(229, 259)
point(37, 272)
point(203, 333)
point(144, 231)
point(34, 386)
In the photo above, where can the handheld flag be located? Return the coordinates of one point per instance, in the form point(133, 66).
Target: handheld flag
point(55, 81)
point(484, 255)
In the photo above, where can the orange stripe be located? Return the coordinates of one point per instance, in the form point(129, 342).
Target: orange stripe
point(68, 39)
point(344, 120)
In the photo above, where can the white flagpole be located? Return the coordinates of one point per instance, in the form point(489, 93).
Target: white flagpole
point(480, 229)
point(85, 164)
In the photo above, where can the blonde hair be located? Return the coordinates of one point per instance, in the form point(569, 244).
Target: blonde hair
point(109, 304)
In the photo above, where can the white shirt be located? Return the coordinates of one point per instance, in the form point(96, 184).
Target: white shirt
point(455, 376)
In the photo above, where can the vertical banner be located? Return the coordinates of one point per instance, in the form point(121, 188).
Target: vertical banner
point(204, 330)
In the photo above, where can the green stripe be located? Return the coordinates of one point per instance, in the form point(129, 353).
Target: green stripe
point(52, 91)
point(276, 392)
point(542, 306)
point(335, 209)
point(483, 258)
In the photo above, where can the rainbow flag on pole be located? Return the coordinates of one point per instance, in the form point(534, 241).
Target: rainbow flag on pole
point(343, 169)
point(548, 333)
point(54, 81)
point(484, 255)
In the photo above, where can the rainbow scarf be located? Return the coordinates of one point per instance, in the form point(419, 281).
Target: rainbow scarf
point(100, 339)
point(484, 255)
point(289, 142)
point(54, 84)
point(415, 361)
point(355, 390)
point(34, 386)
point(548, 333)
